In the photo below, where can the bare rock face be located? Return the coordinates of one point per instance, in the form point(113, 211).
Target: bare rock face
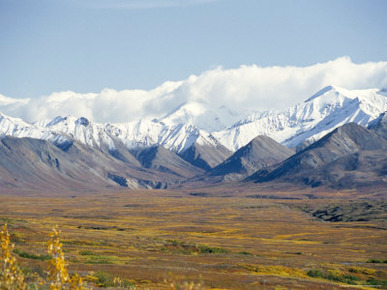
point(40, 166)
point(379, 125)
point(350, 156)
point(159, 158)
point(206, 156)
point(261, 152)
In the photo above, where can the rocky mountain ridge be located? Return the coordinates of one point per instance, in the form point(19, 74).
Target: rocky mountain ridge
point(176, 148)
point(348, 157)
point(195, 123)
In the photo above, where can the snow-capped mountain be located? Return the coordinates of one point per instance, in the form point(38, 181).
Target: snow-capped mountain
point(309, 121)
point(143, 133)
point(197, 124)
point(78, 154)
point(18, 128)
point(202, 116)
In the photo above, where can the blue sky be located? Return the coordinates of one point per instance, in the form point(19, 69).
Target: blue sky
point(89, 45)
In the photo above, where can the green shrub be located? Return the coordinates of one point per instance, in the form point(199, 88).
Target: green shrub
point(377, 261)
point(86, 253)
point(104, 279)
point(245, 253)
point(32, 256)
point(380, 283)
point(108, 280)
point(333, 276)
point(315, 273)
point(99, 260)
point(203, 249)
point(349, 279)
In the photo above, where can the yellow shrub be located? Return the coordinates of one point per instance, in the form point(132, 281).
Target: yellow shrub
point(57, 268)
point(11, 276)
point(361, 270)
point(273, 270)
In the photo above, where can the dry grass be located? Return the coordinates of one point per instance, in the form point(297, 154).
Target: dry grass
point(150, 238)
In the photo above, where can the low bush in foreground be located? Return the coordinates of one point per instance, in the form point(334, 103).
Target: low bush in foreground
point(12, 277)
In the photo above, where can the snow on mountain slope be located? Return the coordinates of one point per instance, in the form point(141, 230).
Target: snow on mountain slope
point(18, 128)
point(142, 133)
point(82, 130)
point(202, 116)
point(197, 123)
point(308, 121)
point(149, 132)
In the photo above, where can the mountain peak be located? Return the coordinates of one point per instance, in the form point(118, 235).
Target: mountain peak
point(260, 152)
point(82, 121)
point(308, 121)
point(320, 93)
point(379, 125)
point(56, 120)
point(205, 116)
point(333, 160)
point(211, 125)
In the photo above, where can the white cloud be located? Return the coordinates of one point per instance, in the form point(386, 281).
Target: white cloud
point(244, 89)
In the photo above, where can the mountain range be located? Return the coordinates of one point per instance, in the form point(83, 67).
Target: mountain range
point(306, 143)
point(348, 157)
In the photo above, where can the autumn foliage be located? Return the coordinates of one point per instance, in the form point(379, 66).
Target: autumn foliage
point(11, 275)
point(57, 278)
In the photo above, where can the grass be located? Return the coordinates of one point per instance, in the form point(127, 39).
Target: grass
point(245, 253)
point(333, 276)
point(220, 242)
point(106, 280)
point(352, 275)
point(180, 247)
point(26, 255)
point(379, 283)
point(98, 258)
point(273, 270)
point(86, 253)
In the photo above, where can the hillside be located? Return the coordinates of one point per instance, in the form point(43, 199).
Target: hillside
point(350, 156)
point(261, 152)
